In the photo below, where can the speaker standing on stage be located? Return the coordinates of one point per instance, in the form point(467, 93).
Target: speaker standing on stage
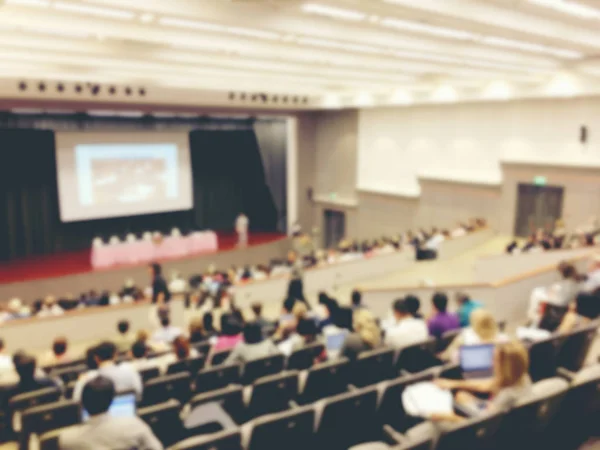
point(160, 289)
point(241, 227)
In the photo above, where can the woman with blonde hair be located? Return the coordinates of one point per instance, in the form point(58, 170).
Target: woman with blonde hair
point(366, 336)
point(483, 330)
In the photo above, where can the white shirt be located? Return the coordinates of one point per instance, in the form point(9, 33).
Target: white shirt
point(178, 286)
point(593, 281)
point(124, 377)
point(166, 335)
point(434, 242)
point(241, 224)
point(406, 332)
point(54, 310)
point(6, 363)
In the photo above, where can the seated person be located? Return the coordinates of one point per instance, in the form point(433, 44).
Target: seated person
point(181, 351)
point(167, 333)
point(483, 330)
point(414, 305)
point(466, 305)
point(258, 317)
point(406, 329)
point(581, 312)
point(124, 376)
point(356, 299)
point(196, 331)
point(139, 357)
point(50, 308)
point(366, 335)
point(125, 337)
point(103, 431)
point(254, 346)
point(231, 333)
point(59, 353)
point(441, 320)
point(25, 366)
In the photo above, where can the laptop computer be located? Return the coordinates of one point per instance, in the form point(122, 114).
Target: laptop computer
point(477, 361)
point(123, 405)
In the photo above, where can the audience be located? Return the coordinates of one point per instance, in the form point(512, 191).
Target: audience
point(254, 346)
point(167, 333)
point(414, 305)
point(209, 327)
point(25, 366)
point(103, 431)
point(59, 353)
point(181, 350)
point(366, 335)
point(441, 320)
point(124, 376)
point(258, 317)
point(125, 337)
point(406, 329)
point(50, 308)
point(196, 331)
point(466, 306)
point(139, 357)
point(231, 329)
point(356, 300)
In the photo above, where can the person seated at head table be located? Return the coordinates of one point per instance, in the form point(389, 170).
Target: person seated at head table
point(50, 308)
point(103, 431)
point(16, 310)
point(441, 320)
point(254, 346)
point(366, 335)
point(124, 376)
point(466, 305)
point(406, 329)
point(483, 330)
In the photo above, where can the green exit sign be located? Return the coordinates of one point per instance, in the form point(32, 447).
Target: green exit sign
point(540, 181)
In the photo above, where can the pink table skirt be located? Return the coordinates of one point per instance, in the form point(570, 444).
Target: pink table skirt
point(109, 255)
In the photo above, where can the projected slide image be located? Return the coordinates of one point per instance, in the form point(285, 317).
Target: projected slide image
point(126, 173)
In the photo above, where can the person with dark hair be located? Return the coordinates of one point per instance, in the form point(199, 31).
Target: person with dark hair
point(25, 367)
point(209, 326)
point(167, 333)
point(59, 353)
point(181, 350)
point(103, 431)
point(295, 294)
point(258, 317)
point(231, 333)
point(356, 299)
point(253, 347)
point(407, 329)
point(414, 305)
point(124, 376)
point(124, 337)
point(139, 357)
point(328, 310)
point(466, 306)
point(441, 320)
point(160, 289)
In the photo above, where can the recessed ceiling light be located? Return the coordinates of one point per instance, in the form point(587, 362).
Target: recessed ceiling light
point(426, 28)
point(530, 47)
point(147, 17)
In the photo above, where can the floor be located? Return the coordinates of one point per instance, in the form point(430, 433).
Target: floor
point(70, 263)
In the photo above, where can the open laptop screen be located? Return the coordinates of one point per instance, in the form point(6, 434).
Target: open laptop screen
point(477, 358)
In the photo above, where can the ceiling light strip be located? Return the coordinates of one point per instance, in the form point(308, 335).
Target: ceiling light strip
point(90, 10)
point(569, 7)
point(333, 12)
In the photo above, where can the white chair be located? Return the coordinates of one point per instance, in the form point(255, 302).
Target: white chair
point(97, 242)
point(114, 240)
point(131, 238)
point(175, 232)
point(147, 236)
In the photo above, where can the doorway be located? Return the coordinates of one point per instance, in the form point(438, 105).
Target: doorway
point(537, 207)
point(335, 227)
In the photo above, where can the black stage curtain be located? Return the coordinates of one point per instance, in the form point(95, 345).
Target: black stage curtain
point(228, 177)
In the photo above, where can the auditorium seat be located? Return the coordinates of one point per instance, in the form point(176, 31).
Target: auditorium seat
point(417, 357)
point(201, 347)
point(348, 419)
point(149, 374)
point(391, 410)
point(224, 440)
point(289, 430)
point(64, 365)
point(324, 380)
point(164, 420)
point(372, 367)
point(576, 347)
point(191, 365)
point(273, 394)
point(161, 389)
point(69, 374)
point(543, 357)
point(217, 378)
point(230, 399)
point(262, 367)
point(478, 433)
point(304, 358)
point(20, 403)
point(52, 416)
point(219, 357)
point(447, 338)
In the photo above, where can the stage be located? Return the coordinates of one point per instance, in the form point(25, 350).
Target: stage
point(72, 272)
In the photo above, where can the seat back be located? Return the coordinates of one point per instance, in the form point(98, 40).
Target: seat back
point(230, 399)
point(224, 440)
point(576, 347)
point(149, 374)
point(273, 394)
point(372, 367)
point(161, 389)
point(348, 419)
point(290, 430)
point(219, 358)
point(304, 358)
point(68, 374)
point(191, 365)
point(324, 380)
point(444, 342)
point(217, 378)
point(202, 347)
point(20, 403)
point(258, 368)
point(477, 434)
point(45, 418)
point(417, 357)
point(164, 421)
point(543, 357)
point(391, 410)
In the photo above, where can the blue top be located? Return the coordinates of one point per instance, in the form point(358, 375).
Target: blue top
point(464, 312)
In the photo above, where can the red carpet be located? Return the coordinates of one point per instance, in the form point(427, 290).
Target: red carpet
point(70, 263)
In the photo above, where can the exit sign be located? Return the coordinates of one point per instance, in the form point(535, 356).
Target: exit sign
point(540, 181)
